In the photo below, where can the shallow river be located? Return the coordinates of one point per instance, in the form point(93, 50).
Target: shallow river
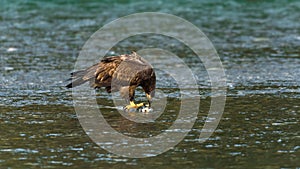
point(258, 44)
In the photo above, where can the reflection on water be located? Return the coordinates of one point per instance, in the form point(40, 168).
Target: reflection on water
point(258, 43)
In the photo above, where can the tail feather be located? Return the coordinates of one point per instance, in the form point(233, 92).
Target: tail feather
point(77, 78)
point(78, 73)
point(82, 76)
point(75, 83)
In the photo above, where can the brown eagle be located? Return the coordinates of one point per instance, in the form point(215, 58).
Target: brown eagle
point(122, 73)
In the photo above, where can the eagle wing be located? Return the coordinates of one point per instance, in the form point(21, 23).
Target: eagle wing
point(123, 70)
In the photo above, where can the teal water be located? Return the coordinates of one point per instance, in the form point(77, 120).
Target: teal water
point(258, 43)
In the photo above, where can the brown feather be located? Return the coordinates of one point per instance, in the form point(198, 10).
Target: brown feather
point(116, 72)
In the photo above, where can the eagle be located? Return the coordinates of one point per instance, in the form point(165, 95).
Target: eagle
point(123, 73)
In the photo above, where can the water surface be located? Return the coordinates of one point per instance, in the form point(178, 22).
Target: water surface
point(258, 43)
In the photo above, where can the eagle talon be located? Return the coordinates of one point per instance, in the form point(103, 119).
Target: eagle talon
point(133, 105)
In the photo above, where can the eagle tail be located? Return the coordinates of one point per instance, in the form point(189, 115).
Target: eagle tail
point(81, 76)
point(75, 83)
point(76, 79)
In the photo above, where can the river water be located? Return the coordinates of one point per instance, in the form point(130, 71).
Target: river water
point(258, 44)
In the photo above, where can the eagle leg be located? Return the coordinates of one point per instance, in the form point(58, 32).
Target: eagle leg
point(131, 92)
point(136, 106)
